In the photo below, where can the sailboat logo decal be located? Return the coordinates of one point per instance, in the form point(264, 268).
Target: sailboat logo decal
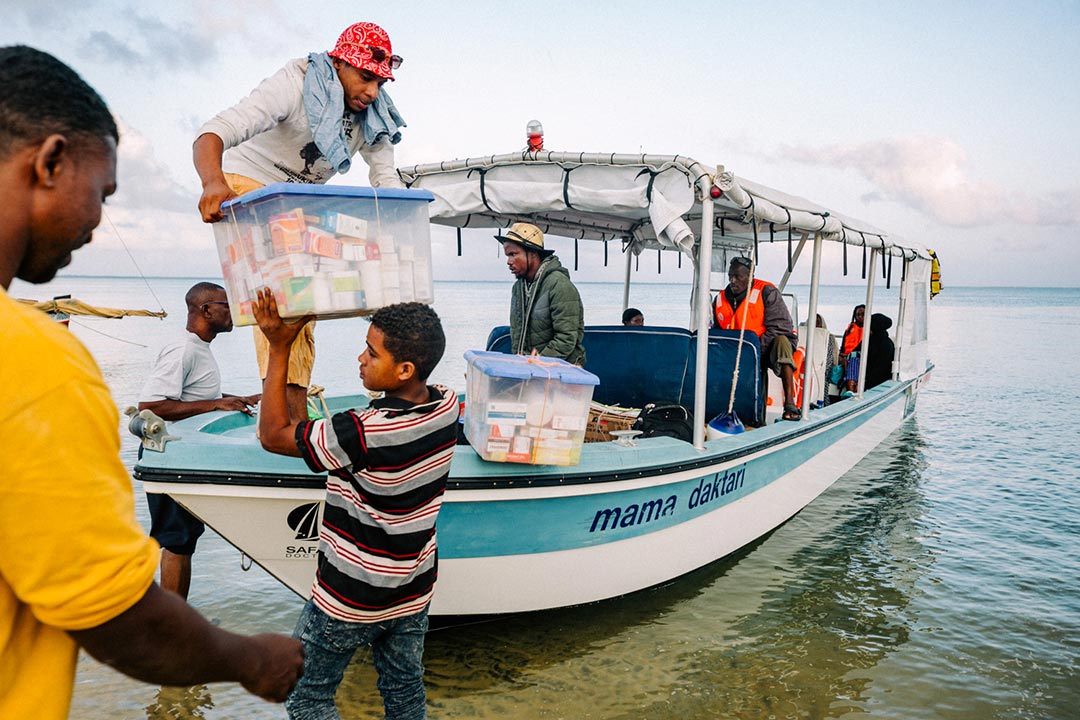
point(304, 519)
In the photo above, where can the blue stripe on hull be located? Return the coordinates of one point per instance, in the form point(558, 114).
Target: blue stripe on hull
point(520, 527)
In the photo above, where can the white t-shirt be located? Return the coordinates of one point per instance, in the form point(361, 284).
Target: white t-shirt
point(185, 370)
point(268, 138)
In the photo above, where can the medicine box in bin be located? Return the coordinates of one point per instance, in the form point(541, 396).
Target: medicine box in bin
point(526, 409)
point(328, 251)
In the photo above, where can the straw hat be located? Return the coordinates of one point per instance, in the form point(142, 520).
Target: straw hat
point(527, 236)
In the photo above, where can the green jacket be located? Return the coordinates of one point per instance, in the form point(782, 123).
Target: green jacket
point(548, 316)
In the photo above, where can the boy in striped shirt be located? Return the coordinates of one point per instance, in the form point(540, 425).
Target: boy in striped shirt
point(387, 467)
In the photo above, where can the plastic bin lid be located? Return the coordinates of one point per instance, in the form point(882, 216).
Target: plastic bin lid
point(526, 367)
point(339, 191)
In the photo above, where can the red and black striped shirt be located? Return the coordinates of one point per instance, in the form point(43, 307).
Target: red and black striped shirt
point(387, 468)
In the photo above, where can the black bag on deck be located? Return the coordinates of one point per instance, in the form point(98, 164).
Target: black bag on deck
point(669, 420)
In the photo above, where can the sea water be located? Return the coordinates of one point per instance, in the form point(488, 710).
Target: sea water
point(939, 578)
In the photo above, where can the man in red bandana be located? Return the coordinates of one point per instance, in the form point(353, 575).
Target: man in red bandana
point(303, 124)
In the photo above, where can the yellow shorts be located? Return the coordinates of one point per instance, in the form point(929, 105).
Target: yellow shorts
point(241, 184)
point(302, 354)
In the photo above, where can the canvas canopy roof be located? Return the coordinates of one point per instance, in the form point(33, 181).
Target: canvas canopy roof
point(648, 201)
point(71, 306)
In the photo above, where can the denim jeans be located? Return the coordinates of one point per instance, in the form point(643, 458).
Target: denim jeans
point(397, 648)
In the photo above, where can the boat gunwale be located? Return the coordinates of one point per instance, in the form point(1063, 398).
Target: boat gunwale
point(587, 477)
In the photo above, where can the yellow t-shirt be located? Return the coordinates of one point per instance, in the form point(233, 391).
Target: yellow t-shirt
point(71, 554)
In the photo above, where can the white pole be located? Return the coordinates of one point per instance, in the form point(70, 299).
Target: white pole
point(626, 275)
point(811, 326)
point(901, 317)
point(794, 260)
point(865, 346)
point(704, 259)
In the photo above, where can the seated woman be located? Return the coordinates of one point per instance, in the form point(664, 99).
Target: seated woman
point(632, 316)
point(832, 365)
point(879, 356)
point(849, 350)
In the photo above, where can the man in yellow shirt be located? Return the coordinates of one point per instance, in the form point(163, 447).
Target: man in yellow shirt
point(75, 567)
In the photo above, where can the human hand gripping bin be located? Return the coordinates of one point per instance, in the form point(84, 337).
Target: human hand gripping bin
point(328, 251)
point(526, 409)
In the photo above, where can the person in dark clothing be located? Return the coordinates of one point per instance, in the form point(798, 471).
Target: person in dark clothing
point(879, 356)
point(766, 315)
point(546, 314)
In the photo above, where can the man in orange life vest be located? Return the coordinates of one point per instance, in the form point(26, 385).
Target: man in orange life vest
point(767, 316)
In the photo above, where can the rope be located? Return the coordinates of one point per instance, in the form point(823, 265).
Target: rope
point(132, 257)
point(538, 360)
point(378, 217)
point(742, 329)
point(316, 392)
point(111, 337)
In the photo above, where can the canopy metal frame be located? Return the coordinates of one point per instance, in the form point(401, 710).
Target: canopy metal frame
point(726, 222)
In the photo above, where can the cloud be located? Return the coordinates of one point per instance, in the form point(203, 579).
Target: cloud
point(145, 182)
point(150, 43)
point(49, 14)
point(103, 46)
point(151, 225)
point(930, 174)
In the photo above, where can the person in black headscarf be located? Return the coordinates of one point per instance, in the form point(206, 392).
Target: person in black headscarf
point(879, 356)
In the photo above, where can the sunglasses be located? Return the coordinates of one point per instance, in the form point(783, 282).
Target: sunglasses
point(380, 56)
point(214, 302)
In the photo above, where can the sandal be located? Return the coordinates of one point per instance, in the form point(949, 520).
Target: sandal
point(791, 413)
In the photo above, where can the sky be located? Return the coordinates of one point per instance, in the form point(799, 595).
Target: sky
point(950, 124)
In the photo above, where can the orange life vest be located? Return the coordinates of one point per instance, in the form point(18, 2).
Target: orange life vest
point(852, 339)
point(730, 318)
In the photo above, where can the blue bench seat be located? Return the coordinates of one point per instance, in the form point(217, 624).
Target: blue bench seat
point(639, 365)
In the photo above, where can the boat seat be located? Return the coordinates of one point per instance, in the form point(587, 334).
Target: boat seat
point(639, 365)
point(750, 389)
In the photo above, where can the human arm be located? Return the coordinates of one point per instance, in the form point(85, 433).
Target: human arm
point(180, 409)
point(185, 381)
point(567, 318)
point(162, 640)
point(276, 431)
point(777, 319)
point(207, 152)
point(380, 161)
point(270, 103)
point(91, 562)
point(248, 399)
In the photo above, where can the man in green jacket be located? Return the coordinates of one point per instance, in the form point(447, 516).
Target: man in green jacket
point(545, 309)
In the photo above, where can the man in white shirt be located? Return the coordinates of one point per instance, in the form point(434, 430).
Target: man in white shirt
point(185, 381)
point(303, 124)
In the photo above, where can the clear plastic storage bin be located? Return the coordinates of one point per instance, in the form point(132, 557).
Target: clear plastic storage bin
point(526, 409)
point(328, 251)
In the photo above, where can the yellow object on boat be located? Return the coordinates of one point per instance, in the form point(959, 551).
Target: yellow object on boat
point(935, 273)
point(70, 306)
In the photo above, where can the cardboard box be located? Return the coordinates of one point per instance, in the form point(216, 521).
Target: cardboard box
point(321, 249)
point(523, 409)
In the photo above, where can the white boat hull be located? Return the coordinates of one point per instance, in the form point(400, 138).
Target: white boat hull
point(536, 546)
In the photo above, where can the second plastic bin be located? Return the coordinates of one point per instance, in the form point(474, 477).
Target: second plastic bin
point(526, 409)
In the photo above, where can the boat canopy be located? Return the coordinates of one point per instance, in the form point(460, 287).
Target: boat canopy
point(667, 202)
point(644, 201)
point(71, 306)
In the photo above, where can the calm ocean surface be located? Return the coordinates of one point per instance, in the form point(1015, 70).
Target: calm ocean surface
point(939, 578)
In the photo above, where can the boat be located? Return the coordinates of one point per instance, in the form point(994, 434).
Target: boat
point(633, 513)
